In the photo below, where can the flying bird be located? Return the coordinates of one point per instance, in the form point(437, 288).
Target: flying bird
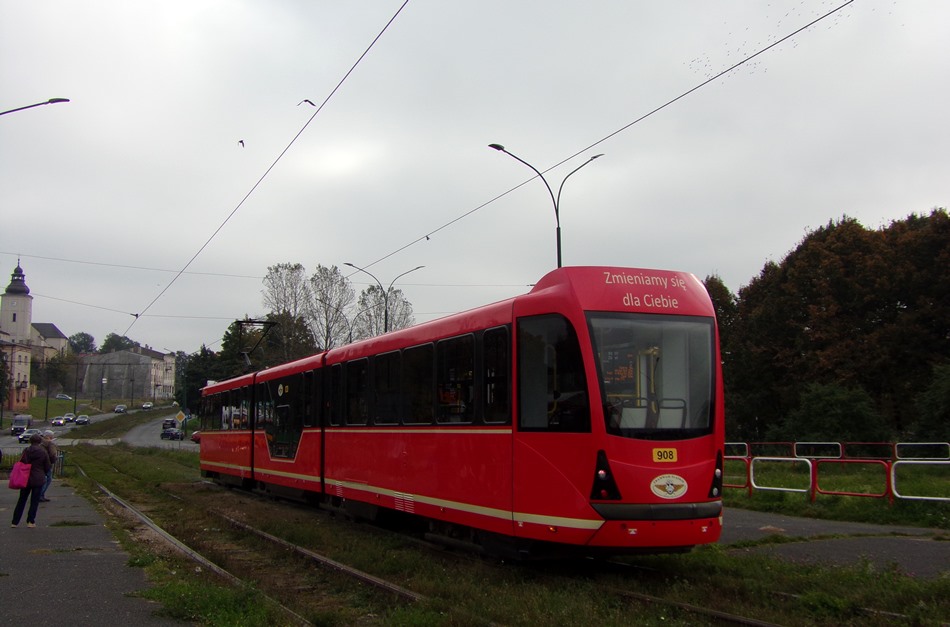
point(241, 141)
point(307, 101)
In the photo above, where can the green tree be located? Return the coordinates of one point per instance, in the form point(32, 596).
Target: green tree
point(933, 407)
point(288, 339)
point(114, 342)
point(51, 375)
point(832, 413)
point(82, 343)
point(6, 381)
point(727, 312)
point(194, 372)
point(863, 309)
point(241, 349)
point(761, 382)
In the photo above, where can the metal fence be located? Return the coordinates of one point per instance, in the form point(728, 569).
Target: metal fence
point(7, 459)
point(891, 470)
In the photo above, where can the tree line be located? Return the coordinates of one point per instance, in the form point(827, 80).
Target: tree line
point(305, 314)
point(845, 339)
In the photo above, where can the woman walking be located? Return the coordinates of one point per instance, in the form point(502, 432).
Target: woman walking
point(38, 458)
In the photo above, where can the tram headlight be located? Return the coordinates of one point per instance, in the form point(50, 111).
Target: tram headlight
point(604, 487)
point(715, 489)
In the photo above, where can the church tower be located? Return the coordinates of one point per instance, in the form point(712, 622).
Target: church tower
point(16, 318)
point(16, 308)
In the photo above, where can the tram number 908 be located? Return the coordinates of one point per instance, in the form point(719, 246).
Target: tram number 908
point(664, 455)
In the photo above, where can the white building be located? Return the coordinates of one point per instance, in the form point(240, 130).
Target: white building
point(139, 373)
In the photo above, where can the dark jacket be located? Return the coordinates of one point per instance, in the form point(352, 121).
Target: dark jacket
point(38, 458)
point(51, 449)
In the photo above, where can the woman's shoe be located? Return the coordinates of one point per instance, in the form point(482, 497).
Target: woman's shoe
point(30, 524)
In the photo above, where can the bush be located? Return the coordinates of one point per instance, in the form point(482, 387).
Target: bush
point(831, 412)
point(933, 406)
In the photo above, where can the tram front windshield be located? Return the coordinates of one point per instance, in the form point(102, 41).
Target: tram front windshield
point(656, 374)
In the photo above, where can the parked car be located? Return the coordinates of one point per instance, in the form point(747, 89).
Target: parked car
point(58, 421)
point(173, 434)
point(196, 437)
point(147, 405)
point(69, 416)
point(82, 419)
point(119, 409)
point(169, 423)
point(25, 436)
point(64, 397)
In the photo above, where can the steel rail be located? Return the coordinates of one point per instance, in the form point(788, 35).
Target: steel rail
point(191, 553)
point(365, 577)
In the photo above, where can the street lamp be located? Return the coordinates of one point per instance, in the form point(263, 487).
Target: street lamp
point(102, 384)
point(38, 104)
point(349, 324)
point(556, 201)
point(385, 292)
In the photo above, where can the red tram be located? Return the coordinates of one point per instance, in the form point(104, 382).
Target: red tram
point(586, 414)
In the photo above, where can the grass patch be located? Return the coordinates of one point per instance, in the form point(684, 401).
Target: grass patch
point(865, 479)
point(114, 427)
point(475, 592)
point(193, 599)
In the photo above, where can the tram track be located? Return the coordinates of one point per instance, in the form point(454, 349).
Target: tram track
point(400, 592)
point(190, 553)
point(254, 577)
point(243, 515)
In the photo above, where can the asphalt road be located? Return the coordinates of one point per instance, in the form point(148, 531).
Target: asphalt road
point(916, 551)
point(148, 434)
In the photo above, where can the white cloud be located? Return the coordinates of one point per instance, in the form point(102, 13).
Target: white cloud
point(143, 165)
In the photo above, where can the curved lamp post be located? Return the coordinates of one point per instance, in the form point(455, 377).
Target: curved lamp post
point(38, 104)
point(557, 200)
point(385, 292)
point(349, 325)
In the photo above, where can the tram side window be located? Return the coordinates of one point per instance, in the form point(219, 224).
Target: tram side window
point(210, 408)
point(418, 384)
point(335, 395)
point(552, 385)
point(287, 399)
point(243, 414)
point(386, 374)
point(456, 381)
point(233, 413)
point(308, 399)
point(496, 382)
point(264, 413)
point(357, 392)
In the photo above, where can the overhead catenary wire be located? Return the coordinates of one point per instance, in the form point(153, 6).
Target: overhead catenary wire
point(271, 167)
point(182, 271)
point(623, 128)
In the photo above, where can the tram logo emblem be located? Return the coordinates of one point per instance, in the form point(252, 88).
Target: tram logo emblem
point(669, 486)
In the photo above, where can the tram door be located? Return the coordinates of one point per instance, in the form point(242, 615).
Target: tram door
point(551, 457)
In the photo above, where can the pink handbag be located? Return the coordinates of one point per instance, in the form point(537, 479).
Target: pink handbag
point(19, 475)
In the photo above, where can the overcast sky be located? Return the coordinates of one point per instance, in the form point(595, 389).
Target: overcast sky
point(106, 198)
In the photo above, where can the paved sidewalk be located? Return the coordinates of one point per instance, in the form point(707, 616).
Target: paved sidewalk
point(68, 570)
point(916, 551)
